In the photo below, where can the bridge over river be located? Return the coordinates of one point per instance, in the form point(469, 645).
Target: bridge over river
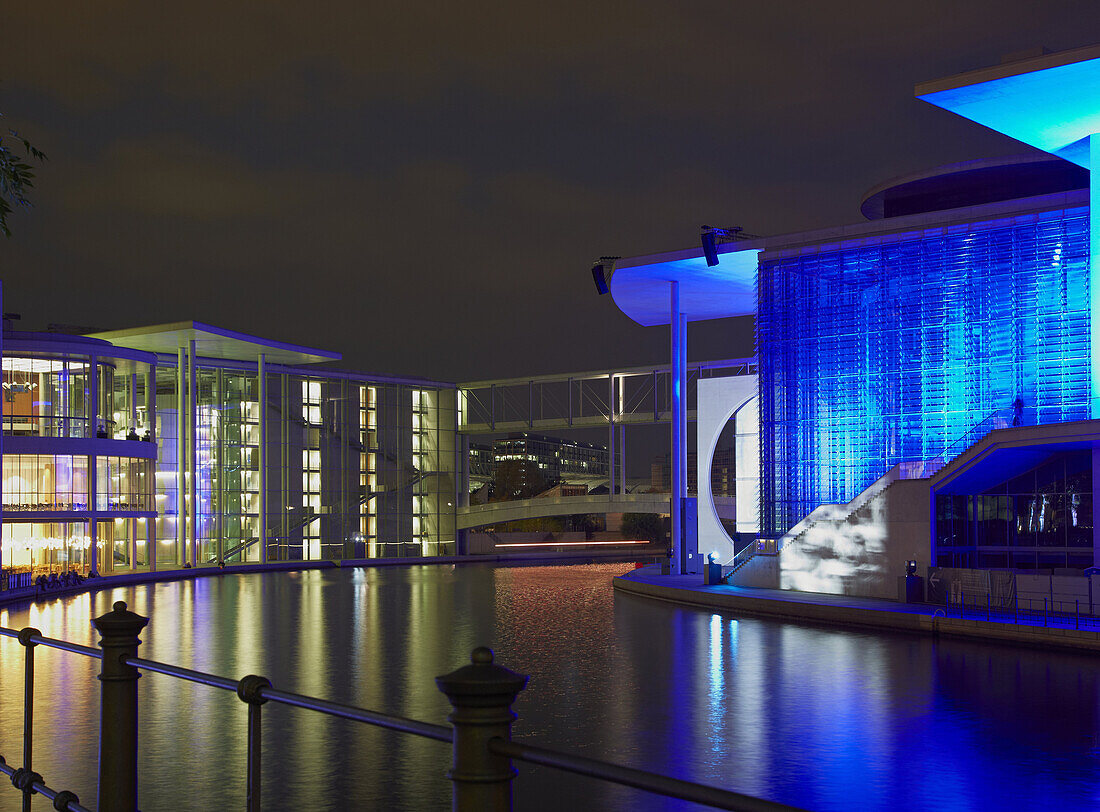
point(498, 512)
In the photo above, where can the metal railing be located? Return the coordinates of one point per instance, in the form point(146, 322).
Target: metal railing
point(481, 696)
point(760, 546)
point(1063, 614)
point(16, 580)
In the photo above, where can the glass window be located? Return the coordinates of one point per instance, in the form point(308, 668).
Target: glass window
point(50, 397)
point(44, 482)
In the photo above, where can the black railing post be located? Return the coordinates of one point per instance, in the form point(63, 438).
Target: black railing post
point(481, 694)
point(250, 689)
point(25, 636)
point(118, 721)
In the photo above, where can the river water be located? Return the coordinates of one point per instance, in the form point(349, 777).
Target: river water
point(820, 718)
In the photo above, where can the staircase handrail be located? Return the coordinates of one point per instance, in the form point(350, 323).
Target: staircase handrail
point(959, 444)
point(903, 470)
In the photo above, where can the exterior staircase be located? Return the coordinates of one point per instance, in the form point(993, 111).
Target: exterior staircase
point(834, 516)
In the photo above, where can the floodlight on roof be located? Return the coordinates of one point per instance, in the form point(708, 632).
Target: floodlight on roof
point(601, 273)
point(712, 237)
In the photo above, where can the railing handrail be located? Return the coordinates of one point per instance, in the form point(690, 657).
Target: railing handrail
point(201, 677)
point(70, 801)
point(399, 723)
point(638, 779)
point(256, 690)
point(51, 642)
point(954, 447)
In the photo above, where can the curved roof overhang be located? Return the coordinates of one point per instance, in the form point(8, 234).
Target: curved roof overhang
point(60, 345)
point(640, 285)
point(1051, 102)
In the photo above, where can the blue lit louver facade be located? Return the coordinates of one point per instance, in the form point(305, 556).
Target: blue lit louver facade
point(893, 348)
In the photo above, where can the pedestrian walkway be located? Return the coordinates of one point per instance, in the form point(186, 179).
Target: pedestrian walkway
point(843, 610)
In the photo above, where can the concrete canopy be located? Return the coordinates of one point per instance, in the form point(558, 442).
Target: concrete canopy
point(1051, 102)
point(213, 342)
point(640, 288)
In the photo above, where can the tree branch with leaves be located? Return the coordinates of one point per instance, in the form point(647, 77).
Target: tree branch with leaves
point(16, 175)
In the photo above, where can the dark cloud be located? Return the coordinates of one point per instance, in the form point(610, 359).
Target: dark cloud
point(423, 186)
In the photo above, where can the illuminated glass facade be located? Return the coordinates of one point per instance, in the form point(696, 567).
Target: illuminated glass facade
point(151, 450)
point(1041, 518)
point(356, 467)
point(890, 349)
point(79, 462)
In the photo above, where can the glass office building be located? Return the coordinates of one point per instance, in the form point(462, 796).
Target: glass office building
point(188, 444)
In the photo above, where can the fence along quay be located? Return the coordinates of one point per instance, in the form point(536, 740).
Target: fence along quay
point(482, 749)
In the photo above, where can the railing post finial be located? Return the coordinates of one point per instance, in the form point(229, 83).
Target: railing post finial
point(118, 719)
point(481, 694)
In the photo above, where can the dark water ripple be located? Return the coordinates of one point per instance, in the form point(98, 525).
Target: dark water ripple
point(824, 719)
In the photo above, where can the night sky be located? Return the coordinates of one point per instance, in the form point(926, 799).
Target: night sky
point(424, 187)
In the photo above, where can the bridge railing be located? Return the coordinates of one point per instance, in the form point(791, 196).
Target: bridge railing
point(627, 395)
point(481, 696)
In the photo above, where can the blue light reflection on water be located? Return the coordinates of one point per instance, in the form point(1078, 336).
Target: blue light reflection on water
point(821, 718)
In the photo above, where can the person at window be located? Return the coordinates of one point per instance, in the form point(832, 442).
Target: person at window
point(132, 434)
point(1018, 411)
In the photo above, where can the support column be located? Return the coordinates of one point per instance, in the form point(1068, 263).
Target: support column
point(219, 506)
point(462, 486)
point(1095, 529)
point(66, 385)
point(284, 467)
point(610, 435)
point(133, 403)
point(151, 430)
point(93, 465)
point(192, 452)
point(43, 421)
point(678, 471)
point(181, 458)
point(622, 458)
point(682, 424)
point(151, 403)
point(1094, 273)
point(464, 471)
point(261, 373)
point(151, 543)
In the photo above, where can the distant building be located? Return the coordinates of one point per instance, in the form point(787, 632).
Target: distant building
point(722, 480)
point(481, 462)
point(556, 458)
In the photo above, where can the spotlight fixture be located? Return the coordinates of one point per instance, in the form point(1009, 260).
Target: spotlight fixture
point(601, 273)
point(712, 237)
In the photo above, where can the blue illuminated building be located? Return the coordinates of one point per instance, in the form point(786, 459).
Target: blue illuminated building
point(891, 349)
point(929, 379)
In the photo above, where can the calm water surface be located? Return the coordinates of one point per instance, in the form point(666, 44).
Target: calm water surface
point(823, 719)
